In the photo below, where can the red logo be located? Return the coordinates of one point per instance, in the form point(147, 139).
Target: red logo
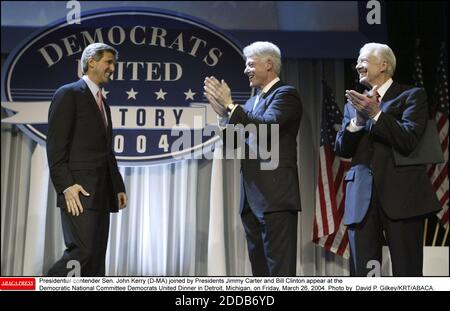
point(17, 284)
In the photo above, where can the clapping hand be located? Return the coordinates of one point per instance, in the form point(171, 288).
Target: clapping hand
point(218, 95)
point(366, 105)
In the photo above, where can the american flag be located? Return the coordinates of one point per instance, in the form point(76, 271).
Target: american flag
point(439, 173)
point(418, 72)
point(329, 231)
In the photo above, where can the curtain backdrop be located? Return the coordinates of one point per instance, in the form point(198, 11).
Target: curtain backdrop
point(182, 218)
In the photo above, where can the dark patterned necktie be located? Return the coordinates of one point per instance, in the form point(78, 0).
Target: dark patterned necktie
point(100, 106)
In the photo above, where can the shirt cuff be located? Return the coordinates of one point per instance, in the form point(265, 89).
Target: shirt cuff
point(375, 119)
point(232, 110)
point(352, 127)
point(222, 121)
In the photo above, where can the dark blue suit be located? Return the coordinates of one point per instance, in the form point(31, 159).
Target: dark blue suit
point(381, 196)
point(358, 193)
point(270, 199)
point(79, 151)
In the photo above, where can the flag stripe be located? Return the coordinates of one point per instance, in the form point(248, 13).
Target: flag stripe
point(329, 230)
point(323, 224)
point(331, 192)
point(444, 219)
point(444, 144)
point(441, 122)
point(444, 199)
point(439, 174)
point(440, 178)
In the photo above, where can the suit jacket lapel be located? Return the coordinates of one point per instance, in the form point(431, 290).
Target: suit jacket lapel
point(264, 101)
point(273, 88)
point(391, 93)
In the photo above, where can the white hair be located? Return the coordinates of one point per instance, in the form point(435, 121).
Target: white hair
point(265, 49)
point(382, 52)
point(95, 51)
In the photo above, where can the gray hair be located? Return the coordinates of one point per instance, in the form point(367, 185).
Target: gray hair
point(382, 52)
point(265, 49)
point(95, 51)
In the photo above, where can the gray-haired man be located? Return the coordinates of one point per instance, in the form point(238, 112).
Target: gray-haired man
point(82, 165)
point(384, 201)
point(270, 199)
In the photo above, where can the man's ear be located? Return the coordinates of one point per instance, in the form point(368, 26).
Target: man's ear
point(384, 66)
point(269, 64)
point(91, 63)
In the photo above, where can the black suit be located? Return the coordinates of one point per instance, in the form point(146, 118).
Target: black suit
point(401, 196)
point(270, 199)
point(79, 151)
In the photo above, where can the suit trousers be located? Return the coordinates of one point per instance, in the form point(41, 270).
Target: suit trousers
point(271, 242)
point(86, 239)
point(404, 238)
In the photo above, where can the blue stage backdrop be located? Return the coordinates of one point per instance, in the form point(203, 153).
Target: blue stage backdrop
point(159, 112)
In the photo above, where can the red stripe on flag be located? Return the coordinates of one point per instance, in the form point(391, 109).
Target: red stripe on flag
point(441, 121)
point(444, 143)
point(315, 231)
point(438, 181)
point(329, 241)
point(323, 204)
point(330, 159)
point(344, 243)
point(444, 198)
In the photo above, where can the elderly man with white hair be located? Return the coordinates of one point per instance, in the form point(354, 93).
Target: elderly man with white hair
point(385, 201)
point(270, 199)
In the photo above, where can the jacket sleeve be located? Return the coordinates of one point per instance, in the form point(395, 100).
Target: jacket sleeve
point(61, 121)
point(119, 186)
point(346, 141)
point(285, 106)
point(404, 134)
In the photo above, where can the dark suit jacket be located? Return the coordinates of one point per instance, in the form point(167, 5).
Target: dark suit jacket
point(79, 148)
point(404, 191)
point(272, 190)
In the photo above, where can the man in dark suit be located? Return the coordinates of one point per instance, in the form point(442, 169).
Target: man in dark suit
point(270, 198)
point(80, 157)
point(384, 201)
